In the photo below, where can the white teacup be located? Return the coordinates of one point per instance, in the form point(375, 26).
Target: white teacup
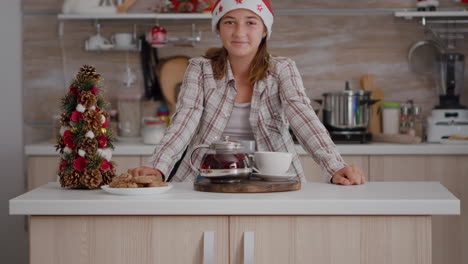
point(122, 40)
point(272, 163)
point(97, 42)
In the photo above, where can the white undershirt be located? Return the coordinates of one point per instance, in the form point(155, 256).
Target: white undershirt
point(238, 126)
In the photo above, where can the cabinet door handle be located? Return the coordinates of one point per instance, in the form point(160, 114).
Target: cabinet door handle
point(249, 243)
point(208, 247)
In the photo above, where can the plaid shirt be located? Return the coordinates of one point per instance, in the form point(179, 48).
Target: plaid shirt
point(278, 102)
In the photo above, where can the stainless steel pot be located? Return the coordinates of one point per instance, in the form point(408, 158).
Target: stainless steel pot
point(347, 110)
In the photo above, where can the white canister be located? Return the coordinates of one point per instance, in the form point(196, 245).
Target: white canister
point(153, 130)
point(390, 117)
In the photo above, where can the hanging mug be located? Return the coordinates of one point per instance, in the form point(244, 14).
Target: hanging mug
point(157, 36)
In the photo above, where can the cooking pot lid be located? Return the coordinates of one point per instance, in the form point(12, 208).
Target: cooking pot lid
point(226, 144)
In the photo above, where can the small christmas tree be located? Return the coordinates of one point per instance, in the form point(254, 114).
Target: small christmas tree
point(85, 142)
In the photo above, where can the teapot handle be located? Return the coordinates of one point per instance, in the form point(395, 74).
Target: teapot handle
point(191, 155)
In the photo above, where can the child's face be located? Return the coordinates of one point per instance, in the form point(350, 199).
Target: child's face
point(241, 32)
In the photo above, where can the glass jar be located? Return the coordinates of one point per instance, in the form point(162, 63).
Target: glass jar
point(152, 130)
point(405, 119)
point(417, 121)
point(390, 117)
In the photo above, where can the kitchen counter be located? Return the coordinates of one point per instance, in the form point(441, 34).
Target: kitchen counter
point(137, 148)
point(380, 222)
point(373, 198)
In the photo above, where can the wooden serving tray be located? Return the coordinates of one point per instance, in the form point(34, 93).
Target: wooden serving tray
point(247, 186)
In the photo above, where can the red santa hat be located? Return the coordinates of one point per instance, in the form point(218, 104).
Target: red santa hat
point(260, 7)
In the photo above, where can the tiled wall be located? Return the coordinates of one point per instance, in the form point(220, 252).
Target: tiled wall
point(334, 41)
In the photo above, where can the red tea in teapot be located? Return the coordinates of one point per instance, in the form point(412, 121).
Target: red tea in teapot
point(225, 161)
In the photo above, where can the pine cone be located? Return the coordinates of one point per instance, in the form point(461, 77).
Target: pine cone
point(87, 99)
point(107, 176)
point(65, 119)
point(60, 145)
point(71, 180)
point(89, 145)
point(92, 179)
point(93, 121)
point(88, 73)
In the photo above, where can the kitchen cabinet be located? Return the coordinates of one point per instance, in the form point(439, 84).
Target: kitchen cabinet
point(331, 239)
point(127, 239)
point(450, 233)
point(273, 240)
point(313, 172)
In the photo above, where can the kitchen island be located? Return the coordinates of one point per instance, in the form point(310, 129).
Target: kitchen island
point(379, 222)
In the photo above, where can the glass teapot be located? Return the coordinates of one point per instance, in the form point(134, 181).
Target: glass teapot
point(225, 161)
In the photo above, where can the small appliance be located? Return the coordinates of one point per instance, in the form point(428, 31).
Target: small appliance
point(449, 117)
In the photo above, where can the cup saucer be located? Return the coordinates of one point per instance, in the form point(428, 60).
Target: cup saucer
point(274, 177)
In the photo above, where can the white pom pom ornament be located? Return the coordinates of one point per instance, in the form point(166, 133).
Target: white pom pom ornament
point(82, 153)
point(80, 108)
point(89, 134)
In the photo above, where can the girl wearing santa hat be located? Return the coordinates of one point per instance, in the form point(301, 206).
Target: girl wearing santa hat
point(241, 91)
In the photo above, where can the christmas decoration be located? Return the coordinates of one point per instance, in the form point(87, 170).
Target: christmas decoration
point(260, 7)
point(189, 6)
point(85, 142)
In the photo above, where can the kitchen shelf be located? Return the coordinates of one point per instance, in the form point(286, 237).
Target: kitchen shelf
point(432, 14)
point(448, 18)
point(99, 17)
point(133, 16)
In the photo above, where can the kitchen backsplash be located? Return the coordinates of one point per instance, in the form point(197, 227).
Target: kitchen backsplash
point(328, 48)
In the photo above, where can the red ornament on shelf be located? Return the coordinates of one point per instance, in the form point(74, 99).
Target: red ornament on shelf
point(157, 37)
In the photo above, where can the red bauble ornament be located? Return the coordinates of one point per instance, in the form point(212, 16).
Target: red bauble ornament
point(94, 90)
point(80, 164)
point(76, 116)
point(105, 124)
point(68, 139)
point(105, 165)
point(74, 90)
point(63, 165)
point(102, 141)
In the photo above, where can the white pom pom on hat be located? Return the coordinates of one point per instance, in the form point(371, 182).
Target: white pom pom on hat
point(260, 7)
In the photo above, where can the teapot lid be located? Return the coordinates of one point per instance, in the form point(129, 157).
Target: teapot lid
point(226, 144)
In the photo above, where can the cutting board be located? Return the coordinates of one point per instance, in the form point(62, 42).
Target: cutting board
point(171, 74)
point(368, 84)
point(247, 186)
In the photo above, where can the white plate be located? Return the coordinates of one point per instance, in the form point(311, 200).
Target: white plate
point(275, 177)
point(137, 191)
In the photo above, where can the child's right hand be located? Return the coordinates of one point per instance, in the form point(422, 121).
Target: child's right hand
point(145, 171)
